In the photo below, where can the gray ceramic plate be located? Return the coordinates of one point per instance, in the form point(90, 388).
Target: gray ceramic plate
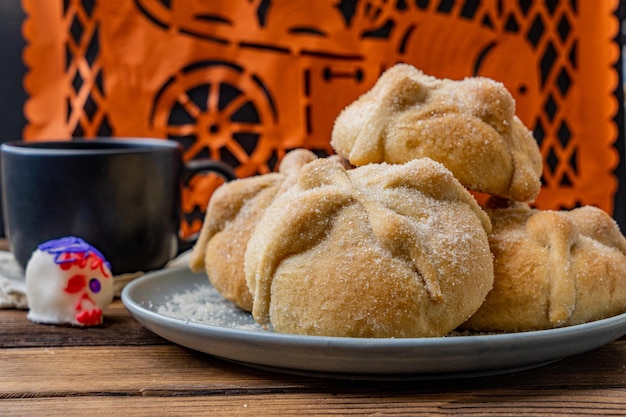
point(182, 307)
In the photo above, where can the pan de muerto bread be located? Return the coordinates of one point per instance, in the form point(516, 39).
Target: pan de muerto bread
point(377, 251)
point(233, 212)
point(552, 269)
point(469, 126)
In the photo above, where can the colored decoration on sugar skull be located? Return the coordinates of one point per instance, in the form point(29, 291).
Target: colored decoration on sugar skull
point(68, 281)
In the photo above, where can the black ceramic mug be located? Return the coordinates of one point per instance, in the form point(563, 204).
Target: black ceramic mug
point(123, 196)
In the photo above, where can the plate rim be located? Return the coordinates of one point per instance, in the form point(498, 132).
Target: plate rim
point(406, 350)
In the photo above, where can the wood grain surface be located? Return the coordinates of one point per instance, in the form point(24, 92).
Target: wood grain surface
point(122, 369)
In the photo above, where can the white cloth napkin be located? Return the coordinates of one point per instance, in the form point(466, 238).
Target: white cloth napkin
point(13, 283)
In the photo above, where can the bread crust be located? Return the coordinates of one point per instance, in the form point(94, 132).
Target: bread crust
point(377, 251)
point(232, 214)
point(469, 126)
point(552, 269)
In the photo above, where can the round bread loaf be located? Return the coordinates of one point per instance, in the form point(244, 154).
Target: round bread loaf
point(377, 251)
point(233, 212)
point(469, 126)
point(552, 269)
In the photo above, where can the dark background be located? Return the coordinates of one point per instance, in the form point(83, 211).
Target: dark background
point(12, 69)
point(13, 96)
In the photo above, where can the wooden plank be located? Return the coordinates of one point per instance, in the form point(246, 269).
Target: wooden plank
point(172, 370)
point(544, 403)
point(119, 328)
point(170, 380)
point(121, 374)
point(121, 370)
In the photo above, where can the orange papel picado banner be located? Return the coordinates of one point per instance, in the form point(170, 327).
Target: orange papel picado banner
point(244, 81)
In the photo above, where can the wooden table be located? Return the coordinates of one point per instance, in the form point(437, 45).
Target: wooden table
point(122, 369)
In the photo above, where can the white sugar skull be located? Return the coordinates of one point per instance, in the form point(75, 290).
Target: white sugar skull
point(68, 281)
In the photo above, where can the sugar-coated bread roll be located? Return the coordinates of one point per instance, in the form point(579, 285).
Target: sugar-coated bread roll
point(233, 212)
point(377, 251)
point(552, 269)
point(469, 126)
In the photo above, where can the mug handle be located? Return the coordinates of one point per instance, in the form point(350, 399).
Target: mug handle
point(199, 166)
point(202, 166)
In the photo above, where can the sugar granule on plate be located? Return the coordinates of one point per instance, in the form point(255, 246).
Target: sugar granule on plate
point(204, 305)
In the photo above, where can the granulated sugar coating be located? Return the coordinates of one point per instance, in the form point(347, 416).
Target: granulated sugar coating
point(552, 269)
point(234, 210)
point(377, 251)
point(469, 126)
point(204, 305)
